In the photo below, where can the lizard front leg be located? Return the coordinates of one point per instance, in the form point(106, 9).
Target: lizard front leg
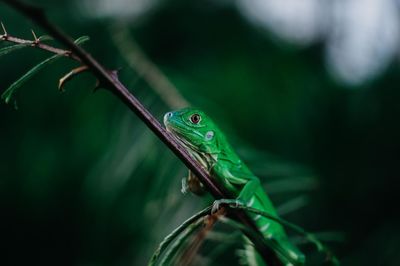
point(192, 183)
point(248, 191)
point(231, 181)
point(245, 198)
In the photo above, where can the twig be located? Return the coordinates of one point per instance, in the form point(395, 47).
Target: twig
point(70, 75)
point(37, 44)
point(110, 81)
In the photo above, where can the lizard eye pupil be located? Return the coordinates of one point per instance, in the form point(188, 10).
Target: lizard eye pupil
point(195, 118)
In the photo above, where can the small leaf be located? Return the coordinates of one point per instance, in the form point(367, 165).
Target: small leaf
point(82, 40)
point(292, 205)
point(11, 48)
point(70, 75)
point(175, 234)
point(179, 243)
point(9, 93)
point(45, 38)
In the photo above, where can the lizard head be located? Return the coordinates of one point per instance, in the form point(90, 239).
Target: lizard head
point(193, 128)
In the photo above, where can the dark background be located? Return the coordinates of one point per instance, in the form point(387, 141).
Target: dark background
point(84, 182)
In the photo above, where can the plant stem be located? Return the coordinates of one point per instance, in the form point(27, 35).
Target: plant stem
point(8, 38)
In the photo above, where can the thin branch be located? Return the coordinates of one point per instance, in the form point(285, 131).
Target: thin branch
point(110, 81)
point(38, 44)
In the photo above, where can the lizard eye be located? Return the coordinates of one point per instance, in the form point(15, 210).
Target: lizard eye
point(195, 118)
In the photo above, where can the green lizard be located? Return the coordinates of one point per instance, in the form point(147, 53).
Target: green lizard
point(207, 145)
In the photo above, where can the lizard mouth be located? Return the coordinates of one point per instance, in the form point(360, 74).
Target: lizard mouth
point(179, 136)
point(177, 132)
point(179, 129)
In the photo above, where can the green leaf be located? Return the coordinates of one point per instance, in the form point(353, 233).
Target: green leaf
point(292, 205)
point(175, 234)
point(179, 243)
point(9, 93)
point(82, 40)
point(11, 48)
point(45, 38)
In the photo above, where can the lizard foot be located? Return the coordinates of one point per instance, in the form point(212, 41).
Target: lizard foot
point(218, 204)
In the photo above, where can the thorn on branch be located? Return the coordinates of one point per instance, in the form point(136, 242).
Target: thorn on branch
point(36, 40)
point(5, 34)
point(112, 73)
point(97, 86)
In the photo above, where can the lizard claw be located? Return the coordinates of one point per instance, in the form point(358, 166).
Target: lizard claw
point(217, 204)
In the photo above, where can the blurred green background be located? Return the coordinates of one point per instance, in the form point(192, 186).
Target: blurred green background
point(307, 94)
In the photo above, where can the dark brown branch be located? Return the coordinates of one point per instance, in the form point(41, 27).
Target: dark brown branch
point(110, 81)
